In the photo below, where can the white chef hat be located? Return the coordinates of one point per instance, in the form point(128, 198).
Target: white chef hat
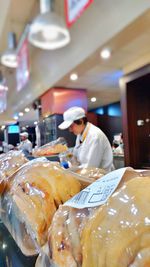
point(71, 115)
point(24, 134)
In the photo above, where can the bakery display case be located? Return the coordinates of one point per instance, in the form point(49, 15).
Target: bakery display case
point(49, 131)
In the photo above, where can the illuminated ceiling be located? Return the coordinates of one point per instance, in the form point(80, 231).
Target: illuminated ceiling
point(121, 26)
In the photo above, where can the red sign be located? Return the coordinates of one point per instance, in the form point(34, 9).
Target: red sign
point(74, 9)
point(22, 72)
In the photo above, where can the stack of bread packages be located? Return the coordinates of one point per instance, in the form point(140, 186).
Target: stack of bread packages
point(51, 148)
point(107, 224)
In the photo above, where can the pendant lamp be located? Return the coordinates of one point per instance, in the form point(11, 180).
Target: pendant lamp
point(9, 57)
point(48, 30)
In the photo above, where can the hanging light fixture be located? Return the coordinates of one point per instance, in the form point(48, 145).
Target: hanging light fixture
point(48, 30)
point(9, 57)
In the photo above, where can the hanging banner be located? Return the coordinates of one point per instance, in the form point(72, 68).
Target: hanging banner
point(22, 72)
point(74, 9)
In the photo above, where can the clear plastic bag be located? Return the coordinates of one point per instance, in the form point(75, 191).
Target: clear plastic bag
point(52, 148)
point(33, 195)
point(113, 234)
point(88, 175)
point(10, 162)
point(68, 157)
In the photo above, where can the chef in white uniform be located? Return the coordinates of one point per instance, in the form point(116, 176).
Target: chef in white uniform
point(25, 145)
point(92, 148)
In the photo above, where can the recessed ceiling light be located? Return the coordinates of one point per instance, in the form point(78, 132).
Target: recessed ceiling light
point(105, 53)
point(23, 128)
point(20, 114)
point(4, 246)
point(73, 77)
point(16, 117)
point(3, 87)
point(27, 110)
point(93, 99)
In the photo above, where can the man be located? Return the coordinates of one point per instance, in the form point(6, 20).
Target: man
point(25, 145)
point(92, 148)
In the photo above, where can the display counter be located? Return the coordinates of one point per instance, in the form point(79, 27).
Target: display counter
point(50, 158)
point(10, 254)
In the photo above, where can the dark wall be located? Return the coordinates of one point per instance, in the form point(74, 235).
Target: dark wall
point(110, 125)
point(135, 99)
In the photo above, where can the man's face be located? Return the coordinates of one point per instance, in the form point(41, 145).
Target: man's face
point(23, 138)
point(76, 129)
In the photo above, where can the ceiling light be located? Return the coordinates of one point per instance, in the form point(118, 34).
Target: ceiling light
point(9, 57)
point(3, 87)
point(3, 127)
point(48, 30)
point(73, 77)
point(35, 123)
point(4, 246)
point(23, 128)
point(93, 99)
point(105, 53)
point(21, 114)
point(27, 110)
point(15, 117)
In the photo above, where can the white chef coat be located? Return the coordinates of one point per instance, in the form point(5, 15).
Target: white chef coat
point(25, 146)
point(92, 149)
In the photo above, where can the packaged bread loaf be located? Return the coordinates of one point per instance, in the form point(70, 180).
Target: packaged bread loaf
point(113, 234)
point(52, 148)
point(87, 175)
point(33, 195)
point(10, 162)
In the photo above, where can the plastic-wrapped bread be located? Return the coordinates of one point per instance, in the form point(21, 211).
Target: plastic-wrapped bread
point(91, 174)
point(51, 148)
point(32, 197)
point(115, 234)
point(9, 163)
point(118, 234)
